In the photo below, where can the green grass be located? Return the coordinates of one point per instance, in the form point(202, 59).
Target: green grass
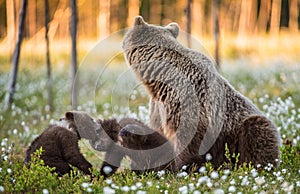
point(274, 89)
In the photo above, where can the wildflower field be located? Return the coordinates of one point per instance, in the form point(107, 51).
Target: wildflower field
point(275, 89)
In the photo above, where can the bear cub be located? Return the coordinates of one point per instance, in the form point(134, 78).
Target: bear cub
point(147, 148)
point(59, 143)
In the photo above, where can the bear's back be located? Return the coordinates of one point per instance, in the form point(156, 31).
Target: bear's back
point(51, 141)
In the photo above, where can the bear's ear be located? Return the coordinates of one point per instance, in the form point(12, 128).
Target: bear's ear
point(173, 28)
point(139, 21)
point(69, 116)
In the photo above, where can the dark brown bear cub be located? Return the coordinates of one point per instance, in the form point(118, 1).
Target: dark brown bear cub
point(147, 149)
point(60, 144)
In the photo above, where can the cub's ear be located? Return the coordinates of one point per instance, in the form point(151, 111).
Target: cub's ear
point(69, 116)
point(173, 28)
point(139, 21)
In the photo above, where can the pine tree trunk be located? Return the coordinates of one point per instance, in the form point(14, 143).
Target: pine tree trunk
point(73, 31)
point(133, 10)
point(104, 18)
point(275, 17)
point(15, 60)
point(293, 22)
point(49, 77)
point(32, 17)
point(11, 23)
point(263, 16)
point(216, 4)
point(188, 22)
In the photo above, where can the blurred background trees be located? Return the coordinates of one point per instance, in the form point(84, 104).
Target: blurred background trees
point(98, 18)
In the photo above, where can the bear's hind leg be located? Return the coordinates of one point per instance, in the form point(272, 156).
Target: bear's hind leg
point(258, 141)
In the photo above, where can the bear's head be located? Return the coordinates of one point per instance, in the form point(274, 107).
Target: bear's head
point(146, 34)
point(81, 123)
point(107, 135)
point(134, 136)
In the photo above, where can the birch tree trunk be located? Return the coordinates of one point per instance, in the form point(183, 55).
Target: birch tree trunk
point(15, 60)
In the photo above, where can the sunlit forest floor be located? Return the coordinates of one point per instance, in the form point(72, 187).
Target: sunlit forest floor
point(267, 70)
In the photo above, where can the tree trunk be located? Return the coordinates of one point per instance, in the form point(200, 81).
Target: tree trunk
point(133, 10)
point(188, 23)
point(11, 23)
point(104, 18)
point(275, 17)
point(73, 31)
point(263, 16)
point(155, 12)
point(293, 22)
point(198, 18)
point(32, 17)
point(15, 59)
point(216, 4)
point(49, 77)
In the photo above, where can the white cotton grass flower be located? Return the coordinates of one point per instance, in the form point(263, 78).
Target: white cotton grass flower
point(203, 179)
point(141, 192)
point(260, 180)
point(2, 189)
point(196, 192)
point(208, 157)
point(85, 185)
point(224, 177)
point(232, 182)
point(108, 181)
point(231, 189)
point(182, 174)
point(184, 167)
point(226, 171)
point(125, 188)
point(202, 169)
point(191, 186)
point(108, 190)
point(138, 184)
point(149, 183)
point(9, 171)
point(209, 184)
point(45, 191)
point(107, 170)
point(219, 191)
point(133, 188)
point(89, 190)
point(160, 173)
point(214, 175)
point(254, 173)
point(183, 189)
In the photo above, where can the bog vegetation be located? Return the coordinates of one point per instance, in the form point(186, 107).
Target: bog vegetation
point(275, 89)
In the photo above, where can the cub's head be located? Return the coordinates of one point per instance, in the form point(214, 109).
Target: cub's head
point(81, 123)
point(135, 136)
point(107, 135)
point(146, 34)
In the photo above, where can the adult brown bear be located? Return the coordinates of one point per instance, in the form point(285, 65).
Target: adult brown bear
point(192, 104)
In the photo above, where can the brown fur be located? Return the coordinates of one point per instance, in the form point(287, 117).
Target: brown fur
point(134, 146)
point(60, 147)
point(192, 104)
